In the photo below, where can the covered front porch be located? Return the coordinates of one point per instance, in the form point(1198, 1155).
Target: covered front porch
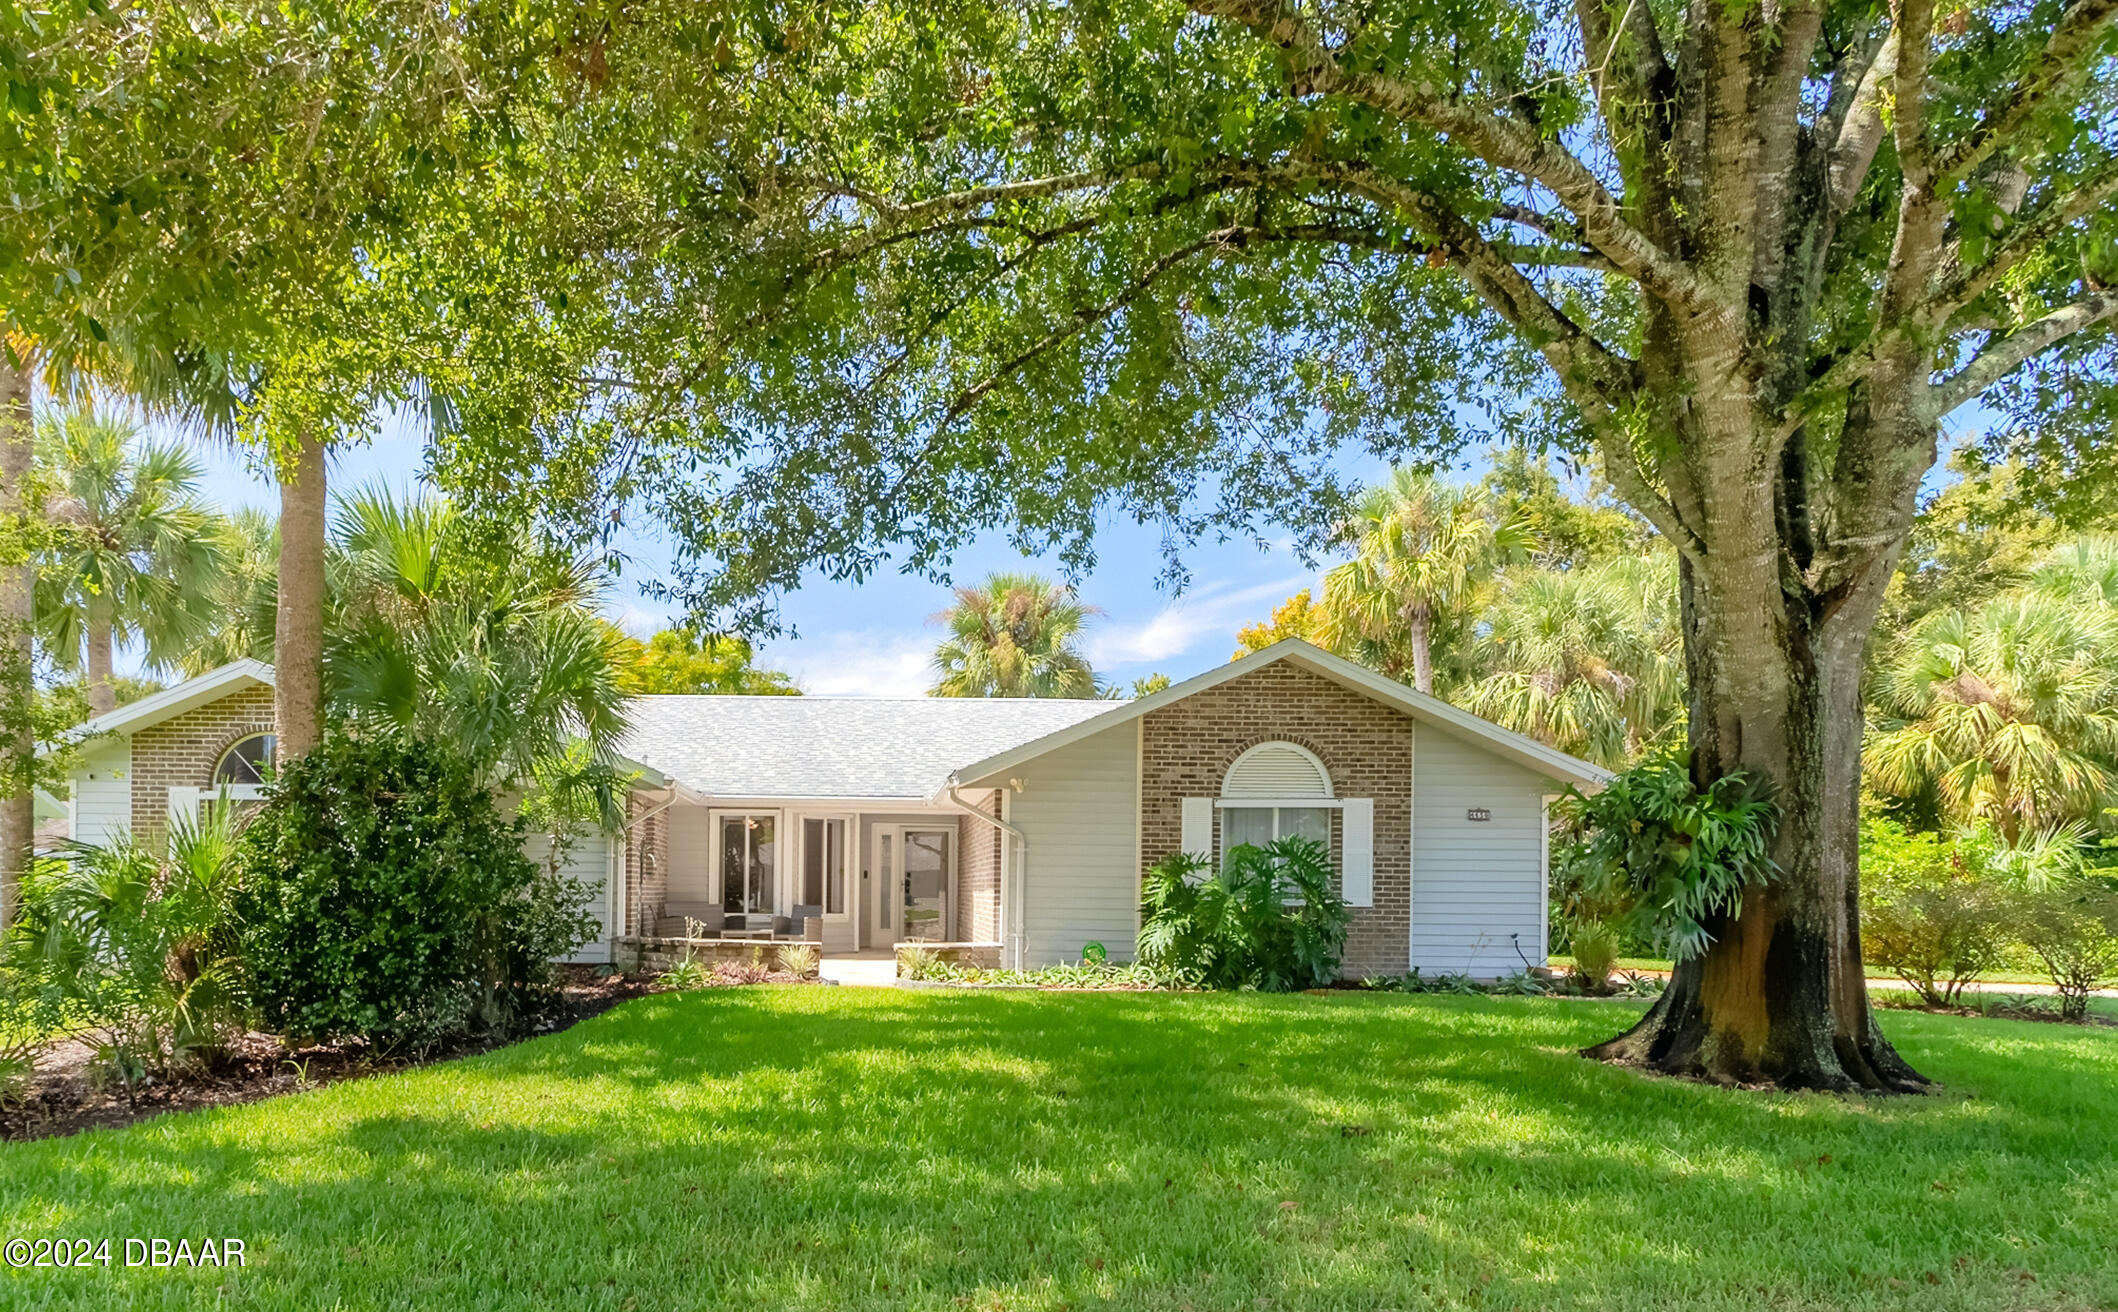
point(852, 875)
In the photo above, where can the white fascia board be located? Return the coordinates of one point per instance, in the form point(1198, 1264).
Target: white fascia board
point(174, 701)
point(1520, 748)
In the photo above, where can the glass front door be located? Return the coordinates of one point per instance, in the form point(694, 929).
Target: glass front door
point(926, 884)
point(747, 864)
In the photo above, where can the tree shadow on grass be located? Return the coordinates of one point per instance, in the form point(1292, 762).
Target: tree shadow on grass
point(810, 1148)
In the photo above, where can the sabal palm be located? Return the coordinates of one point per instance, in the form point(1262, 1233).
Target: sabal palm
point(2009, 712)
point(495, 648)
point(1588, 660)
point(1424, 550)
point(244, 597)
point(138, 552)
point(2084, 570)
point(1014, 635)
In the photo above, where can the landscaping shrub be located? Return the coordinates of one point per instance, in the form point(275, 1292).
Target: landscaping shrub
point(917, 962)
point(138, 947)
point(1267, 920)
point(685, 974)
point(2072, 927)
point(1594, 947)
point(30, 1011)
point(1929, 912)
point(799, 959)
point(1657, 859)
point(385, 897)
point(1083, 974)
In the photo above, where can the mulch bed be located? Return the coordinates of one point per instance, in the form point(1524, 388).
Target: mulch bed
point(2037, 1007)
point(66, 1097)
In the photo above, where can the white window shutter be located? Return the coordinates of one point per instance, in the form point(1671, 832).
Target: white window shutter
point(1357, 851)
point(1198, 827)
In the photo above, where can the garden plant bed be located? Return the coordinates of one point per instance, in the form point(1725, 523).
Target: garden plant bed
point(66, 1096)
point(2038, 1007)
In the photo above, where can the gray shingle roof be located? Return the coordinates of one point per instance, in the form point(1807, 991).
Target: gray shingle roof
point(835, 746)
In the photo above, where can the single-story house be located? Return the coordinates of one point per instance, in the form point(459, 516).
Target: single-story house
point(1022, 825)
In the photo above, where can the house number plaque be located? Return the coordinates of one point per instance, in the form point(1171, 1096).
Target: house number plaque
point(1478, 813)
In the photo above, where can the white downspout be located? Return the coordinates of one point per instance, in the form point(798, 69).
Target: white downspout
point(1010, 915)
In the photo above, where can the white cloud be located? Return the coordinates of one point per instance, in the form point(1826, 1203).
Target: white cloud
point(856, 663)
point(1213, 611)
point(890, 662)
point(640, 622)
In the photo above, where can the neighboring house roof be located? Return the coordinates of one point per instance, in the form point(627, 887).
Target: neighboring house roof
point(174, 701)
point(210, 687)
point(870, 748)
point(1506, 743)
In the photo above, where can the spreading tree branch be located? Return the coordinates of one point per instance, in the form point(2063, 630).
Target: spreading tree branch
point(2052, 71)
point(2003, 357)
point(1626, 65)
point(1957, 287)
point(1914, 23)
point(1860, 126)
point(1502, 142)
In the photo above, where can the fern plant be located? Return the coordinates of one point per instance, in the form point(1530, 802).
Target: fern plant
point(1659, 859)
point(1268, 919)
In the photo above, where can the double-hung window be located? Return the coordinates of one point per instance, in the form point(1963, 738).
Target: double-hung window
point(1260, 825)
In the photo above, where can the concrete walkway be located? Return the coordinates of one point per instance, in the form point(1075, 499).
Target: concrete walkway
point(867, 970)
point(2026, 989)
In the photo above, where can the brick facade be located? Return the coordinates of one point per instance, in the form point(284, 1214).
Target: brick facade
point(978, 875)
point(182, 751)
point(1187, 747)
point(646, 865)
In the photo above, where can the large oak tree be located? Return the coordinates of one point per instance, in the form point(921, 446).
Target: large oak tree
point(1027, 265)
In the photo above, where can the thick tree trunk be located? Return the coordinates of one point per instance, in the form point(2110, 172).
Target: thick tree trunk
point(298, 643)
point(1779, 997)
point(102, 644)
point(18, 805)
point(1865, 1055)
point(1419, 625)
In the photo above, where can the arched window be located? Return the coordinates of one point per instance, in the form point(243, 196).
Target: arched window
point(1275, 778)
point(1277, 770)
point(246, 761)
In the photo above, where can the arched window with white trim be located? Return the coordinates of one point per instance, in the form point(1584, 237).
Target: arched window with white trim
point(1281, 790)
point(247, 761)
point(1264, 793)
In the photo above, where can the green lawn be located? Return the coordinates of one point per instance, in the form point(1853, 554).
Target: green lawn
point(843, 1148)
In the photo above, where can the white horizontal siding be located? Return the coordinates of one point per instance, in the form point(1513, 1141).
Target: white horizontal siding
point(101, 806)
point(588, 860)
point(1080, 809)
point(1475, 882)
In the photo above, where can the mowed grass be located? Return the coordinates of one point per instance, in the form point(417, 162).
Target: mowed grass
point(843, 1148)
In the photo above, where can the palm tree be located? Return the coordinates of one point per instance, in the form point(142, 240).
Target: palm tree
point(138, 552)
point(1588, 660)
point(1014, 635)
point(493, 647)
point(1423, 552)
point(2007, 713)
point(245, 596)
point(2084, 570)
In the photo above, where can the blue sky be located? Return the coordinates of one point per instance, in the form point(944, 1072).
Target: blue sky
point(876, 637)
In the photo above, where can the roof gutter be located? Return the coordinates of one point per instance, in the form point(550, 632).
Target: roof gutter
point(1010, 900)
